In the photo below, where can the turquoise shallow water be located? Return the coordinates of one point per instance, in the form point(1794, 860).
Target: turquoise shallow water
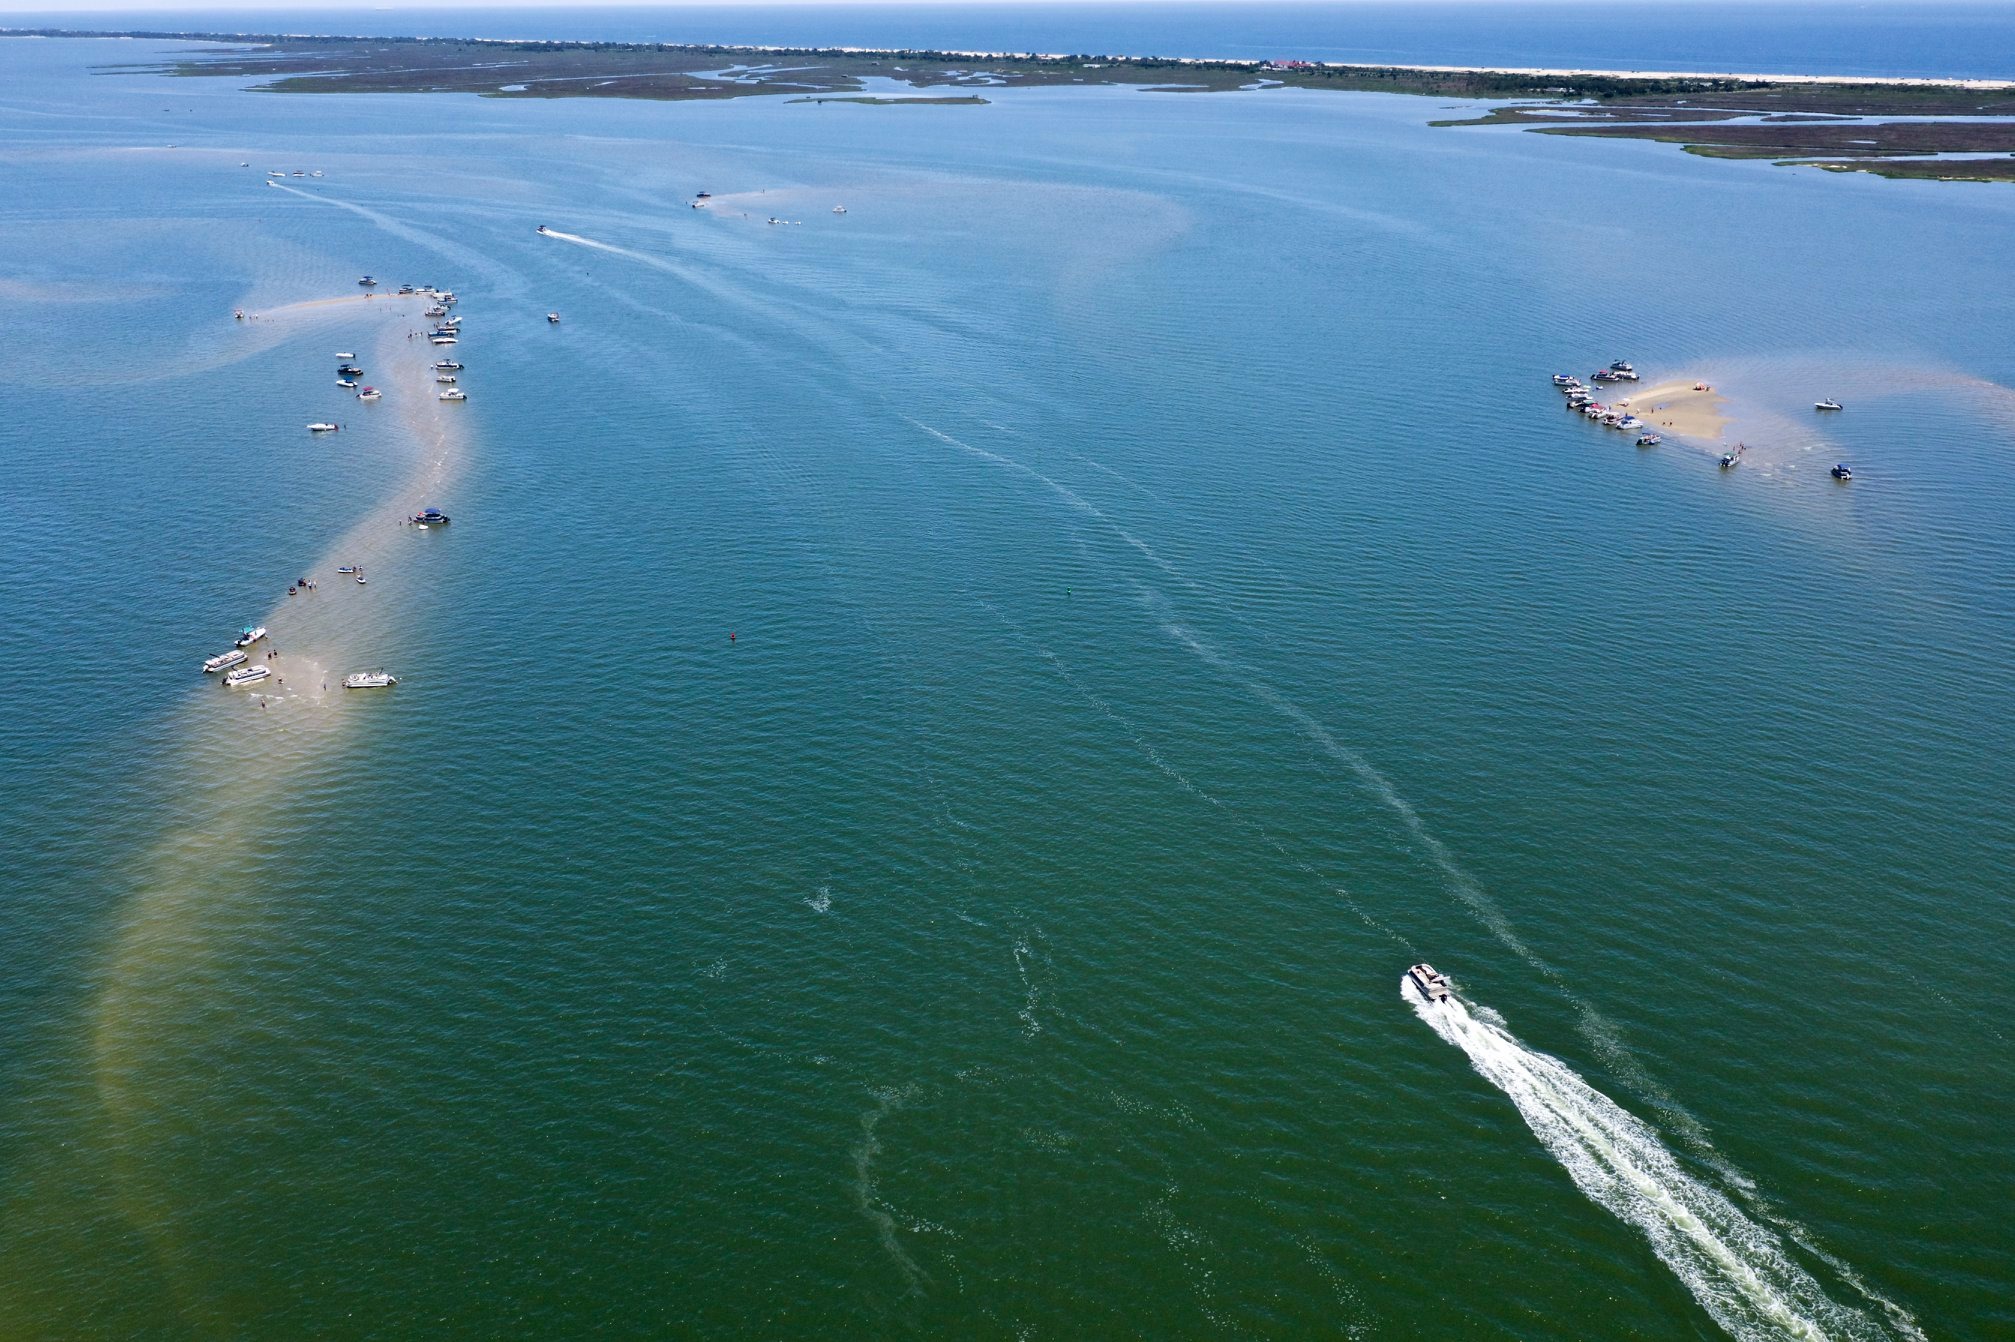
point(1167, 601)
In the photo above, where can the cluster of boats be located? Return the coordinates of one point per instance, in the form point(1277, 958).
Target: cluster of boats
point(1581, 397)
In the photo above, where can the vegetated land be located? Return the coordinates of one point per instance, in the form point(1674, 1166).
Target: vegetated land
point(1794, 122)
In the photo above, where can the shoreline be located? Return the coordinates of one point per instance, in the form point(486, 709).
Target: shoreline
point(1060, 59)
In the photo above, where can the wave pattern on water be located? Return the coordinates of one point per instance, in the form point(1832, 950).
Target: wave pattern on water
point(1737, 1269)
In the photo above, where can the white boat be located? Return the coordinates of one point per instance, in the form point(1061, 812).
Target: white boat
point(224, 661)
point(446, 366)
point(553, 317)
point(325, 428)
point(246, 675)
point(251, 634)
point(436, 311)
point(1828, 404)
point(442, 339)
point(1429, 982)
point(1649, 440)
point(454, 395)
point(839, 209)
point(346, 382)
point(346, 354)
point(370, 394)
point(316, 173)
point(445, 379)
point(360, 580)
point(369, 680)
point(367, 283)
point(1630, 422)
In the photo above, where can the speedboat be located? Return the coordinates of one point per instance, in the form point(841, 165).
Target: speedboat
point(447, 366)
point(1842, 471)
point(360, 580)
point(1564, 380)
point(1621, 366)
point(839, 209)
point(1828, 404)
point(367, 283)
point(553, 317)
point(447, 379)
point(1429, 982)
point(344, 355)
point(224, 661)
point(704, 195)
point(405, 289)
point(1630, 422)
point(349, 370)
point(370, 394)
point(369, 680)
point(346, 382)
point(251, 634)
point(453, 394)
point(431, 517)
point(349, 568)
point(324, 428)
point(246, 675)
point(1649, 440)
point(316, 173)
point(1730, 460)
point(442, 339)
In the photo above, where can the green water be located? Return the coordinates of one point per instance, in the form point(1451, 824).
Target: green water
point(1167, 600)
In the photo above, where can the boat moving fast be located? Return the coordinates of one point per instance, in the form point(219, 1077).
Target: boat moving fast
point(1429, 982)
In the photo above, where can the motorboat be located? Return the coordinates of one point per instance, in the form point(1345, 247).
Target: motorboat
point(1828, 404)
point(540, 229)
point(360, 580)
point(1606, 375)
point(405, 290)
point(1730, 460)
point(250, 634)
point(316, 173)
point(370, 394)
point(435, 311)
point(1626, 375)
point(553, 317)
point(224, 661)
point(447, 366)
point(442, 339)
point(1564, 380)
point(442, 331)
point(324, 428)
point(446, 379)
point(1842, 471)
point(1621, 366)
point(346, 382)
point(1630, 422)
point(452, 321)
point(349, 370)
point(345, 355)
point(246, 675)
point(704, 195)
point(839, 209)
point(454, 394)
point(447, 296)
point(275, 172)
point(367, 283)
point(430, 517)
point(1649, 440)
point(349, 568)
point(1429, 982)
point(369, 680)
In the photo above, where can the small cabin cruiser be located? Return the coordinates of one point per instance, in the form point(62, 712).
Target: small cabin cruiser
point(370, 394)
point(367, 283)
point(447, 366)
point(224, 661)
point(1621, 366)
point(446, 379)
point(1828, 404)
point(1630, 422)
point(1842, 471)
point(553, 317)
point(1429, 982)
point(430, 517)
point(323, 428)
point(454, 394)
point(251, 634)
point(1730, 460)
point(246, 675)
point(369, 680)
point(349, 370)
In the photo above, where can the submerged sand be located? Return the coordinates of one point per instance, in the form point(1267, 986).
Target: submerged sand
point(1686, 409)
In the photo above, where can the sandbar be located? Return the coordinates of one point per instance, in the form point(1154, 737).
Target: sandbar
point(1688, 409)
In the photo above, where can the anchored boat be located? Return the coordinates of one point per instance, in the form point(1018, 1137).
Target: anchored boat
point(246, 675)
point(1828, 404)
point(1842, 471)
point(251, 634)
point(369, 680)
point(223, 661)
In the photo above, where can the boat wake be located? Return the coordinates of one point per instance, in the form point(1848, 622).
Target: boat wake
point(1739, 1271)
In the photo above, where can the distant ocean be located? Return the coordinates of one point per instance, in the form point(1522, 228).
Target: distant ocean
point(1925, 40)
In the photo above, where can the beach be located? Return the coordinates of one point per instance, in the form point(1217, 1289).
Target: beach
point(1683, 408)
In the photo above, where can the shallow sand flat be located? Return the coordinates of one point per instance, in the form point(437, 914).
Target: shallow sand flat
point(1676, 407)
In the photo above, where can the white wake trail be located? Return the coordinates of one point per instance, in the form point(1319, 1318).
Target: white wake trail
point(1738, 1270)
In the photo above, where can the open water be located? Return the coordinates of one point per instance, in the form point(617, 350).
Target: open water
point(934, 731)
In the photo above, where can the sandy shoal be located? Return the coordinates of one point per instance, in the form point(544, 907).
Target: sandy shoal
point(1688, 409)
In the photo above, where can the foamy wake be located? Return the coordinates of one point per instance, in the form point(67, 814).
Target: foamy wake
point(1738, 1270)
